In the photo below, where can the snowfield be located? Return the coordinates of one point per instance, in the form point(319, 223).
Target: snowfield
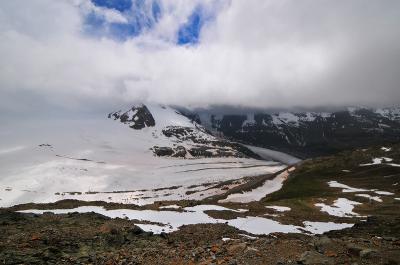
point(100, 159)
point(172, 220)
point(341, 207)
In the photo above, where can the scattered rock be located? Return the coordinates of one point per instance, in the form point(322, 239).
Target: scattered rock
point(354, 249)
point(368, 253)
point(322, 243)
point(311, 257)
point(235, 248)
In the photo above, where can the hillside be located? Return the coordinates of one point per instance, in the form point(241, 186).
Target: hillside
point(307, 134)
point(355, 193)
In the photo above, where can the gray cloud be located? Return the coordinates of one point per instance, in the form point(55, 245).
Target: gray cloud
point(265, 53)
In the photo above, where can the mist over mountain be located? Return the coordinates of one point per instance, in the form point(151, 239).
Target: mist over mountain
point(95, 55)
point(225, 132)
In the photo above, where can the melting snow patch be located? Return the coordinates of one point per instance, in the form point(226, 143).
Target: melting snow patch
point(383, 192)
point(386, 149)
point(258, 225)
point(156, 229)
point(173, 206)
point(205, 207)
point(397, 199)
point(378, 161)
point(322, 227)
point(335, 184)
point(257, 194)
point(373, 198)
point(172, 220)
point(279, 208)
point(341, 207)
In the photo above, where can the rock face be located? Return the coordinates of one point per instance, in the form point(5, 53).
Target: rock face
point(138, 117)
point(175, 135)
point(308, 134)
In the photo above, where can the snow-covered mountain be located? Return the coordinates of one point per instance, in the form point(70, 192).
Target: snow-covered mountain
point(307, 133)
point(148, 153)
point(176, 135)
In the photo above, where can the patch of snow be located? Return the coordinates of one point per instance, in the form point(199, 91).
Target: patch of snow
point(172, 220)
point(346, 188)
point(322, 227)
point(386, 149)
point(310, 117)
point(287, 117)
point(279, 208)
point(156, 229)
point(392, 114)
point(374, 198)
point(384, 192)
point(206, 207)
point(335, 184)
point(173, 206)
point(341, 207)
point(398, 199)
point(259, 225)
point(377, 161)
point(325, 114)
point(258, 193)
point(226, 239)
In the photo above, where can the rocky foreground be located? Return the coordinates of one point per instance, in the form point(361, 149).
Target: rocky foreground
point(94, 239)
point(367, 178)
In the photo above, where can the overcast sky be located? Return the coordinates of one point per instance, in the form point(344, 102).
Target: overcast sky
point(99, 54)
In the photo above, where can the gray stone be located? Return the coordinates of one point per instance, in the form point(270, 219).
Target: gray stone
point(368, 253)
point(315, 258)
point(322, 243)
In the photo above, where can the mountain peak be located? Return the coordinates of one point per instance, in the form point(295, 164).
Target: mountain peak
point(138, 117)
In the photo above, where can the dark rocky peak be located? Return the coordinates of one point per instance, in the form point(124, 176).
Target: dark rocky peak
point(138, 117)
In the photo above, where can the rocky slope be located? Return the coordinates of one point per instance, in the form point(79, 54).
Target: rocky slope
point(307, 134)
point(185, 138)
point(83, 238)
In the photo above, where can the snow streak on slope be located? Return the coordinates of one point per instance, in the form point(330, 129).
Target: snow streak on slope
point(258, 193)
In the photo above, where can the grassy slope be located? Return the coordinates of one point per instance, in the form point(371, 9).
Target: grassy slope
point(308, 184)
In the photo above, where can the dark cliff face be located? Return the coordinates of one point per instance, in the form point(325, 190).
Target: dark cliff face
point(192, 141)
point(138, 117)
point(311, 134)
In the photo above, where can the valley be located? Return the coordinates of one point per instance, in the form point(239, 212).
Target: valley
point(250, 200)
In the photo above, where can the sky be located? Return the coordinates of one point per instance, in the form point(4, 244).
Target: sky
point(96, 55)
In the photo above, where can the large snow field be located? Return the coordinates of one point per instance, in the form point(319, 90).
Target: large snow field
point(172, 220)
point(101, 155)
